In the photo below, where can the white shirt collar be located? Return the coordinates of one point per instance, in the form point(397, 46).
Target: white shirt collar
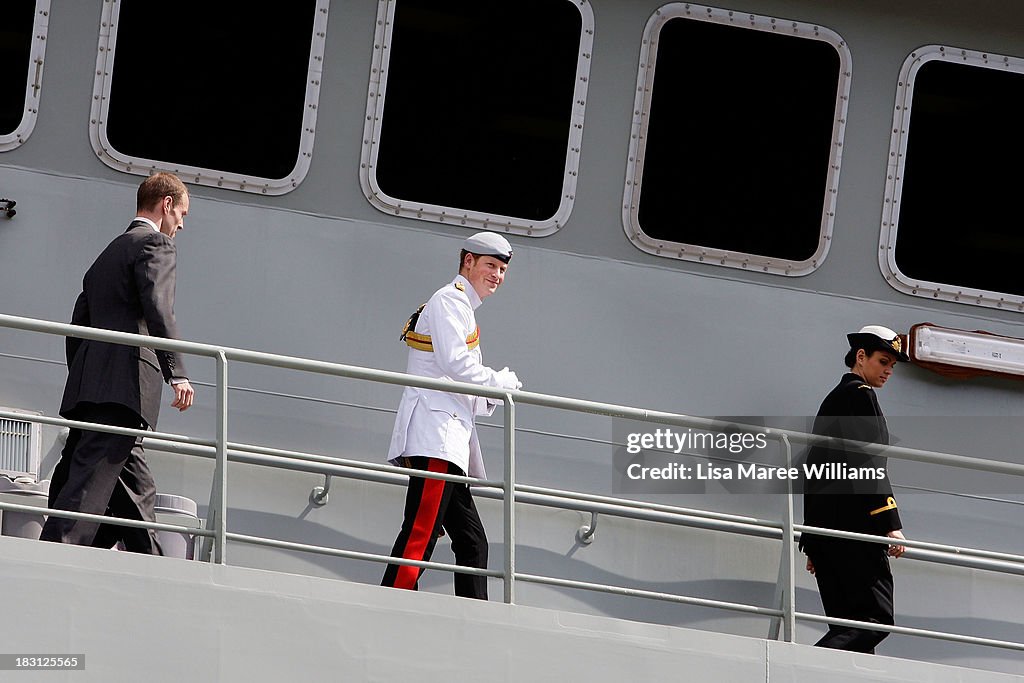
point(147, 222)
point(474, 298)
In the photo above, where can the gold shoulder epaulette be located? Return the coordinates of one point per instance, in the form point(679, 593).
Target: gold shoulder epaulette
point(459, 286)
point(864, 386)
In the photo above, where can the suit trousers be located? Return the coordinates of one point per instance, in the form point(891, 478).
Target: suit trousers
point(101, 473)
point(433, 507)
point(855, 582)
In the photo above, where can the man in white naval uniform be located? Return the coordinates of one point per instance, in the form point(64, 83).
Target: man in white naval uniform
point(435, 431)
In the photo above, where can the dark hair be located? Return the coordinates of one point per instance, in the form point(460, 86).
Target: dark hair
point(851, 355)
point(157, 186)
point(462, 258)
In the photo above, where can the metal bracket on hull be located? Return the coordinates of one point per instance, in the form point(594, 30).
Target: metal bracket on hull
point(320, 494)
point(585, 534)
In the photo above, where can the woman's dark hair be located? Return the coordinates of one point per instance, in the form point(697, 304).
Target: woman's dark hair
point(851, 357)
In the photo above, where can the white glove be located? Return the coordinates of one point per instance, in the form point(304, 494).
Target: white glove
point(507, 379)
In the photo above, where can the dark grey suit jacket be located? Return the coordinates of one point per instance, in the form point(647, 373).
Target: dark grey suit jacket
point(130, 288)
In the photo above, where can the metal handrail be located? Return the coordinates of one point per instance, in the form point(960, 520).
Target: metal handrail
point(578, 438)
point(135, 523)
point(509, 491)
point(909, 631)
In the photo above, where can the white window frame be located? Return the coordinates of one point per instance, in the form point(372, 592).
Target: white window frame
point(34, 82)
point(193, 174)
point(894, 180)
point(454, 215)
point(638, 138)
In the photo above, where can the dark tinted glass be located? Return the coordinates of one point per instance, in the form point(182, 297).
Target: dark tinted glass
point(15, 47)
point(478, 105)
point(739, 138)
point(216, 85)
point(959, 221)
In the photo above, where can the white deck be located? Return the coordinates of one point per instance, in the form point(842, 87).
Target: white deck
point(158, 619)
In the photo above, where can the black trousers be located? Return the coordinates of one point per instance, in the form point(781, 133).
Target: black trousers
point(430, 505)
point(855, 582)
point(101, 474)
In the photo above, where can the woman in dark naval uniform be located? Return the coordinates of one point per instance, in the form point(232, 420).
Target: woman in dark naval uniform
point(852, 492)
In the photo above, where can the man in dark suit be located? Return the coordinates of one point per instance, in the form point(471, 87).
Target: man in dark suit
point(129, 288)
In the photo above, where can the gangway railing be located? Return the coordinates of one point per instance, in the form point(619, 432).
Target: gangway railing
point(507, 490)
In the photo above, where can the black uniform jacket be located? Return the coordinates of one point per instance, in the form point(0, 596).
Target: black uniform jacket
point(859, 503)
point(129, 288)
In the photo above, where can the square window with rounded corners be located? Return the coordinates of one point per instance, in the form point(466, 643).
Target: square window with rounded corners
point(736, 139)
point(951, 229)
point(221, 93)
point(475, 111)
point(22, 47)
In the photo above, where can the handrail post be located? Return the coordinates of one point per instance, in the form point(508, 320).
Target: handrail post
point(510, 500)
point(788, 559)
point(220, 472)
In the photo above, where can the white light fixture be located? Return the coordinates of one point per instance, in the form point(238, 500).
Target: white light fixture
point(960, 353)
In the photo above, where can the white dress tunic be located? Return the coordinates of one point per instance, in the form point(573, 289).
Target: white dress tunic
point(440, 424)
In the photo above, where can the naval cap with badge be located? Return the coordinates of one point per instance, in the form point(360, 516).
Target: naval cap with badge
point(489, 244)
point(878, 338)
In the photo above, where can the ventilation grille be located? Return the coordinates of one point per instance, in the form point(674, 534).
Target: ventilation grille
point(20, 447)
